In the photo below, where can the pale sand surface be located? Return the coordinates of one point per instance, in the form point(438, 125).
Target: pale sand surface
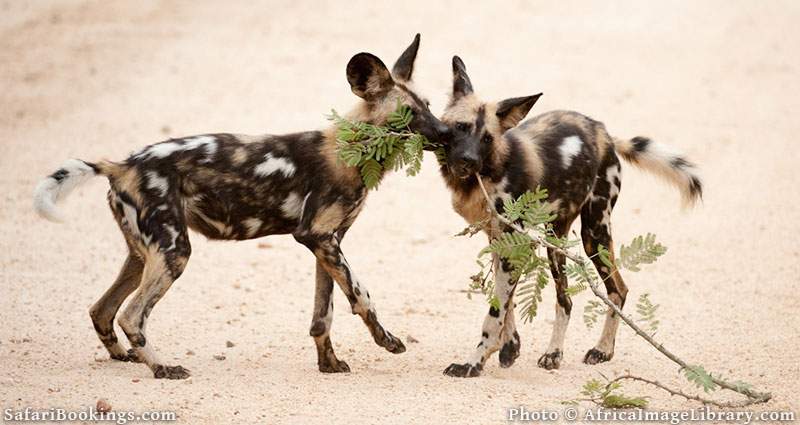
point(100, 79)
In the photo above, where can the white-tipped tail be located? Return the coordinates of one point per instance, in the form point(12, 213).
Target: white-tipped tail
point(664, 162)
point(58, 185)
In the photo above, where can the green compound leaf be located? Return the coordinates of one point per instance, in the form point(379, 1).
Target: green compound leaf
point(371, 173)
point(529, 295)
point(643, 250)
point(401, 117)
point(647, 312)
point(697, 375)
point(592, 313)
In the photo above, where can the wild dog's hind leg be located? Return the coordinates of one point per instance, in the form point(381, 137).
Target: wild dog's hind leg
point(551, 359)
point(161, 269)
point(321, 324)
point(617, 292)
point(160, 237)
point(492, 325)
point(105, 309)
point(596, 231)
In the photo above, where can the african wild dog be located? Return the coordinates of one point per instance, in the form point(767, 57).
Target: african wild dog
point(235, 187)
point(575, 159)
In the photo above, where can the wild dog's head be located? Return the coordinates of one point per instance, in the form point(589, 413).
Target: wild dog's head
point(381, 90)
point(477, 127)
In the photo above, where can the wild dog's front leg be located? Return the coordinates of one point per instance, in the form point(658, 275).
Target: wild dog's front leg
point(321, 324)
point(510, 340)
point(330, 256)
point(492, 325)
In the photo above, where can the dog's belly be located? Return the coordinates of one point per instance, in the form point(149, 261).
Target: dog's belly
point(226, 215)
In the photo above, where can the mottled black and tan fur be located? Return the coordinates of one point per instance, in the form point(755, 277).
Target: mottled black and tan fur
point(575, 159)
point(235, 187)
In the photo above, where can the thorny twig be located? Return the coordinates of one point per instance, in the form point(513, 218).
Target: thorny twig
point(753, 397)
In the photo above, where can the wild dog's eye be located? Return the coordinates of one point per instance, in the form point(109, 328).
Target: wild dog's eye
point(462, 126)
point(487, 138)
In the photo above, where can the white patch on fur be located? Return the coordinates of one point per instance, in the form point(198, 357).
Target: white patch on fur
point(569, 149)
point(165, 149)
point(292, 206)
point(272, 165)
point(50, 191)
point(499, 191)
point(559, 330)
point(363, 303)
point(173, 233)
point(155, 181)
point(253, 225)
point(612, 173)
point(303, 207)
point(210, 149)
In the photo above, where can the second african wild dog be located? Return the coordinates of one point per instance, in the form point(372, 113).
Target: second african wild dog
point(234, 187)
point(575, 159)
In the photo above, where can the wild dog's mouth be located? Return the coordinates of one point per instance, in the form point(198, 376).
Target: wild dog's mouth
point(462, 172)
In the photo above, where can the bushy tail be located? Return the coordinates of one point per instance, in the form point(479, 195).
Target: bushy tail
point(58, 185)
point(664, 162)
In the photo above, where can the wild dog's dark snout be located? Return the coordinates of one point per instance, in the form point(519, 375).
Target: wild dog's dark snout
point(442, 130)
point(430, 127)
point(468, 162)
point(465, 162)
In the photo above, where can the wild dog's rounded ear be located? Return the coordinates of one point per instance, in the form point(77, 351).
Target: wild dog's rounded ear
point(462, 86)
point(368, 76)
point(512, 111)
point(404, 66)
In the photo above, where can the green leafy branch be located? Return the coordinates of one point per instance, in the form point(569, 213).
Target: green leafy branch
point(528, 220)
point(610, 395)
point(375, 149)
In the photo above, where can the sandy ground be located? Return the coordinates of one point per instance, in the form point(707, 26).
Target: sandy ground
point(99, 79)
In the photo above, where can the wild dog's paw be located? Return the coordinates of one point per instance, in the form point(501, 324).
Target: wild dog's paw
point(333, 366)
point(170, 372)
point(509, 353)
point(393, 344)
point(130, 356)
point(121, 357)
point(133, 357)
point(595, 356)
point(465, 370)
point(550, 361)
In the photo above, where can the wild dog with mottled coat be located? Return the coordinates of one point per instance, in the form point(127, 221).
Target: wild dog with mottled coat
point(235, 187)
point(575, 159)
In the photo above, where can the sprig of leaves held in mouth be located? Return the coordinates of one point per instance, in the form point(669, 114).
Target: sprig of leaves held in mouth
point(375, 149)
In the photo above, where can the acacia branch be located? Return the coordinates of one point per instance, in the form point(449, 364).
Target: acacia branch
point(753, 397)
point(679, 393)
